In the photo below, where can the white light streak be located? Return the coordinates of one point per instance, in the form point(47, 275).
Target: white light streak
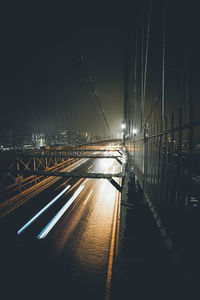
point(88, 196)
point(52, 223)
point(42, 210)
point(90, 167)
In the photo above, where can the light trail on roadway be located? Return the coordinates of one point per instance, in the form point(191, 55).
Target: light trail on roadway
point(66, 245)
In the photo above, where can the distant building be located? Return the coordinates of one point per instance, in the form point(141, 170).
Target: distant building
point(22, 141)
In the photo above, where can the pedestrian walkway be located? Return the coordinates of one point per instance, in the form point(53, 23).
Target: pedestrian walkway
point(144, 268)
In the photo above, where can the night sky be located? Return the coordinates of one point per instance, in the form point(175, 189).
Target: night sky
point(42, 84)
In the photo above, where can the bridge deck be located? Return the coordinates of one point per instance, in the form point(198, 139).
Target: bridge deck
point(144, 268)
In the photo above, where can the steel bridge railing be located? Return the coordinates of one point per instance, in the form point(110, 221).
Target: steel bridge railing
point(166, 158)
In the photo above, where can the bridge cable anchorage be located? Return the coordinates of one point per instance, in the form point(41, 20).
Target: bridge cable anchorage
point(94, 93)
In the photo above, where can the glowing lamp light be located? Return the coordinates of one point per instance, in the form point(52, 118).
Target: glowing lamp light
point(123, 125)
point(134, 131)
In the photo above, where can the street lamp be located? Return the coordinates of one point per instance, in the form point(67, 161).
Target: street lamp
point(134, 131)
point(123, 125)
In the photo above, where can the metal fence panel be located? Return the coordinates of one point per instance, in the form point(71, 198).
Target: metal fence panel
point(166, 158)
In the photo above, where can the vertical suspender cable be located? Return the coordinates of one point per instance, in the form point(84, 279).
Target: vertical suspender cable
point(142, 75)
point(163, 69)
point(146, 54)
point(135, 79)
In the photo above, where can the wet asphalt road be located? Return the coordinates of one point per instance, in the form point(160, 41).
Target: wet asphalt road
point(64, 253)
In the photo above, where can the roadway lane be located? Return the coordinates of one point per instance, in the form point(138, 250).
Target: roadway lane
point(15, 201)
point(68, 249)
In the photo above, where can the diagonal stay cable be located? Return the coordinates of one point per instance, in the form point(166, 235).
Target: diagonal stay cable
point(94, 93)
